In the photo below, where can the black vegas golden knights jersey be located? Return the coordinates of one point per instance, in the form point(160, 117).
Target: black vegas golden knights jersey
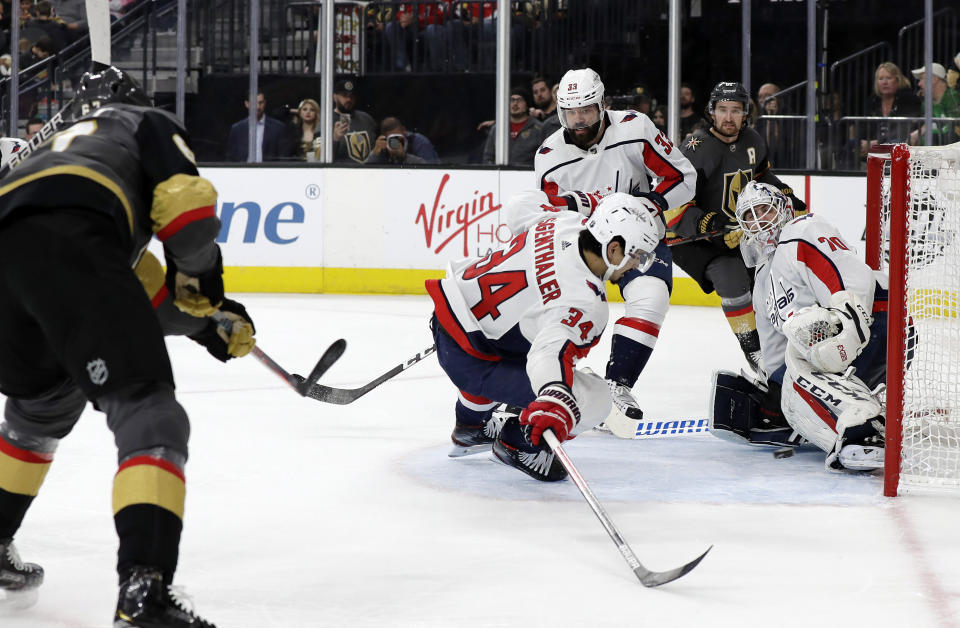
point(723, 170)
point(134, 164)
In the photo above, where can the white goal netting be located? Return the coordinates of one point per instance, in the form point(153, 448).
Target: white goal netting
point(929, 374)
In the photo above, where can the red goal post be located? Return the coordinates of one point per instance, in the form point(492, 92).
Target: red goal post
point(913, 231)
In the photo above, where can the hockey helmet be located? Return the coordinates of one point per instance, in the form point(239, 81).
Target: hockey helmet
point(579, 88)
point(762, 211)
point(628, 217)
point(108, 85)
point(8, 147)
point(734, 92)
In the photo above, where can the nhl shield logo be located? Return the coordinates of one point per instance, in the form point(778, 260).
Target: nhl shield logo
point(97, 370)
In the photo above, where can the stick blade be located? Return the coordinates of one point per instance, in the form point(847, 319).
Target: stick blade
point(656, 578)
point(329, 357)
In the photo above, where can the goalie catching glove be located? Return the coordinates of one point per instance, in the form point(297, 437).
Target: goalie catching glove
point(555, 409)
point(236, 343)
point(830, 338)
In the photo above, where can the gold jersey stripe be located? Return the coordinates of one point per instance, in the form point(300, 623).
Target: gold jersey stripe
point(150, 273)
point(148, 484)
point(21, 477)
point(77, 171)
point(177, 195)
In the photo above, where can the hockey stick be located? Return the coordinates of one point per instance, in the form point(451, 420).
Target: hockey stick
point(700, 236)
point(647, 577)
point(343, 396)
point(658, 429)
point(297, 382)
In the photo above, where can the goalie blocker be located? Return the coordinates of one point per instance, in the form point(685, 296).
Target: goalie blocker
point(747, 411)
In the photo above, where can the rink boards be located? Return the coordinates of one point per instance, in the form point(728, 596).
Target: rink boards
point(384, 231)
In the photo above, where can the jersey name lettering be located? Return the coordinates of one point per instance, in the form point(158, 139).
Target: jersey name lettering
point(543, 259)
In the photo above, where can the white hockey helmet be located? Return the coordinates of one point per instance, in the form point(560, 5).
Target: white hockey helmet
point(762, 211)
point(579, 88)
point(627, 217)
point(9, 146)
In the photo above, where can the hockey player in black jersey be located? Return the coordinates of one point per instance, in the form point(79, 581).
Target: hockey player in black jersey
point(77, 324)
point(726, 156)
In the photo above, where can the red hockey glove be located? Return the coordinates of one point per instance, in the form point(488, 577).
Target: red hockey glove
point(556, 409)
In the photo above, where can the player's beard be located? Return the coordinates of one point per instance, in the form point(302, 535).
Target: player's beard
point(584, 140)
point(720, 131)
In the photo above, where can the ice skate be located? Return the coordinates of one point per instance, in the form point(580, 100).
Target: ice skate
point(19, 581)
point(625, 414)
point(145, 601)
point(513, 448)
point(474, 439)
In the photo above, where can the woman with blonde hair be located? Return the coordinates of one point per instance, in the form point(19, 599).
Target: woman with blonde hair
point(893, 97)
point(307, 121)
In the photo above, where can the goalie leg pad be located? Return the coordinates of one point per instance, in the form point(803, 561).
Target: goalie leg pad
point(742, 412)
point(821, 406)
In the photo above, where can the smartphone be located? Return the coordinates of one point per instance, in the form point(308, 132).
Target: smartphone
point(345, 117)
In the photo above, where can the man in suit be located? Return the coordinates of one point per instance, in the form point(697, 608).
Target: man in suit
point(273, 141)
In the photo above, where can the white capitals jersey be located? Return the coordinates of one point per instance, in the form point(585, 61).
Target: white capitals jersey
point(534, 299)
point(810, 263)
point(631, 152)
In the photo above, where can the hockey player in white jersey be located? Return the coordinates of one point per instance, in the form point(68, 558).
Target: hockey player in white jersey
point(605, 152)
point(822, 320)
point(509, 327)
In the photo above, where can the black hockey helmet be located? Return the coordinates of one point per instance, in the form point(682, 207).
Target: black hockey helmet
point(107, 85)
point(729, 91)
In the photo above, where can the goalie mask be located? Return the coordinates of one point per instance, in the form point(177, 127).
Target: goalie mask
point(105, 86)
point(580, 103)
point(625, 216)
point(762, 211)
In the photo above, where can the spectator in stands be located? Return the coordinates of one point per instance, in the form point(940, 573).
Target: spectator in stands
point(40, 50)
point(33, 127)
point(400, 35)
point(771, 130)
point(273, 140)
point(659, 118)
point(544, 106)
point(445, 39)
point(74, 14)
point(54, 28)
point(946, 104)
point(392, 145)
point(892, 97)
point(307, 130)
point(526, 133)
point(6, 63)
point(413, 144)
point(26, 12)
point(353, 131)
point(690, 119)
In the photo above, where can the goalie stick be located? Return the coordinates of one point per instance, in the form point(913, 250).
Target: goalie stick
point(343, 396)
point(719, 233)
point(297, 382)
point(647, 577)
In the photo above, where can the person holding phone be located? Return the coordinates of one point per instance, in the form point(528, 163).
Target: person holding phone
point(353, 131)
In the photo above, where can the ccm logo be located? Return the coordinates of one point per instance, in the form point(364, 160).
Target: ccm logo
point(280, 216)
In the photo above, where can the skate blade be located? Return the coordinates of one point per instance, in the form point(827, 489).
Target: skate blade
point(17, 600)
point(458, 451)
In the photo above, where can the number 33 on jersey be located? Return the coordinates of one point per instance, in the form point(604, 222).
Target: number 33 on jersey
point(535, 298)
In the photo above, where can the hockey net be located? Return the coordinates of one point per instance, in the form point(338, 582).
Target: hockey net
point(913, 231)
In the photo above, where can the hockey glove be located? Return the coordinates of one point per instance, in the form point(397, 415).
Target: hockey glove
point(196, 295)
point(222, 345)
point(732, 238)
point(656, 199)
point(711, 222)
point(555, 409)
point(581, 202)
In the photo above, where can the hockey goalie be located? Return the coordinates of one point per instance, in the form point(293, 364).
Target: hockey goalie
point(822, 319)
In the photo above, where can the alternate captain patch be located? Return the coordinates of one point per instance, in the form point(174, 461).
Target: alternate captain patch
point(693, 142)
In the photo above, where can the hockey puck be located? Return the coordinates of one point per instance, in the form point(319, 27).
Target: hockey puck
point(786, 452)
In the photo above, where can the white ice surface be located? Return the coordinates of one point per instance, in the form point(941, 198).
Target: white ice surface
point(305, 514)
